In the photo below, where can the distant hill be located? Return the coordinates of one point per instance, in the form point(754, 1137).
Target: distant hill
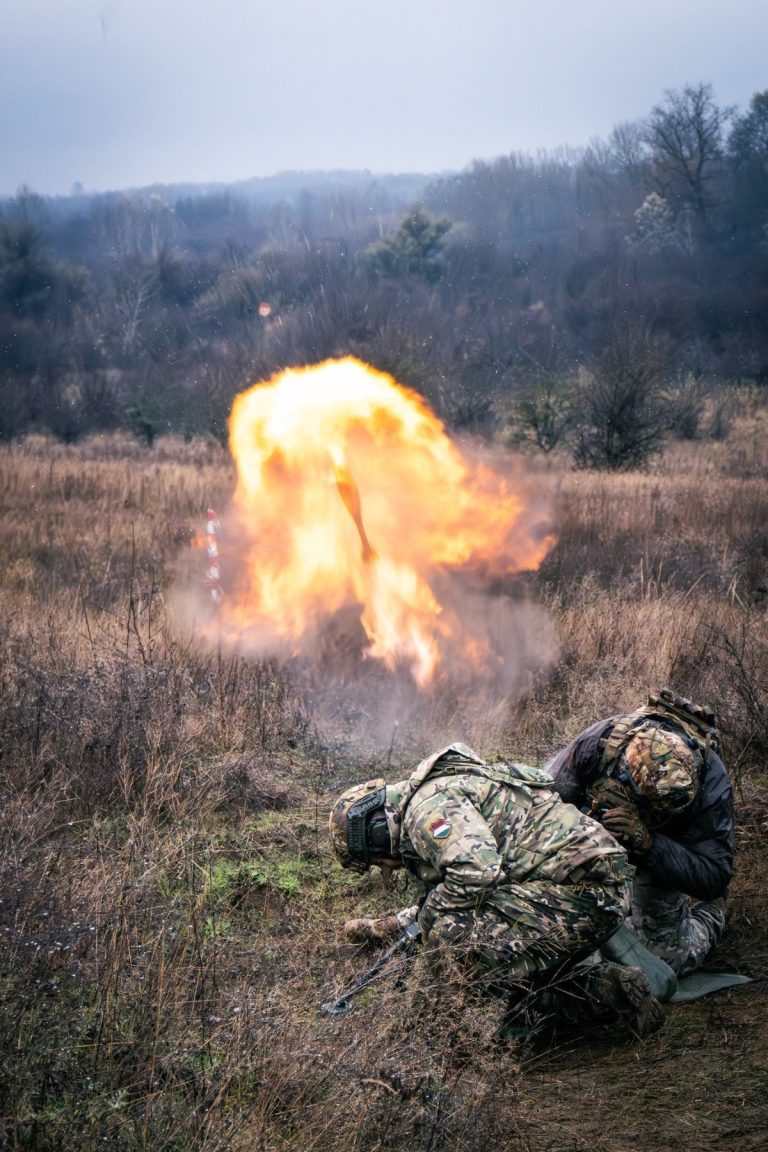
point(395, 187)
point(287, 185)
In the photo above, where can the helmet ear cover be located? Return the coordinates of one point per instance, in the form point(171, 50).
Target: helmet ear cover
point(377, 837)
point(357, 842)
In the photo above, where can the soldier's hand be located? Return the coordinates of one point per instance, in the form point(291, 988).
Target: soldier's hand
point(368, 928)
point(608, 793)
point(628, 828)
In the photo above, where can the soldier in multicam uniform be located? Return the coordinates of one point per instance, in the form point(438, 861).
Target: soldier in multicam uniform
point(520, 887)
point(655, 780)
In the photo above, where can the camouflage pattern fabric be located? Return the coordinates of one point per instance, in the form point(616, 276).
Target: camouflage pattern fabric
point(663, 768)
point(516, 879)
point(670, 926)
point(530, 928)
point(697, 720)
point(678, 786)
point(607, 792)
point(697, 723)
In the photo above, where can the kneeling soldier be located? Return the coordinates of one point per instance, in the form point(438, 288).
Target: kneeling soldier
point(655, 780)
point(520, 886)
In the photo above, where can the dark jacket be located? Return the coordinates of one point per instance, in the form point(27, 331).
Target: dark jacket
point(692, 851)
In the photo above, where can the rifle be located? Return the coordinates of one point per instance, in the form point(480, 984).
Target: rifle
point(342, 1004)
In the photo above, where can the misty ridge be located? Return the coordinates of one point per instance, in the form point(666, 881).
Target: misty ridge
point(591, 301)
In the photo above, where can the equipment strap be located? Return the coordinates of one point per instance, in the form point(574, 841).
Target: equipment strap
point(698, 723)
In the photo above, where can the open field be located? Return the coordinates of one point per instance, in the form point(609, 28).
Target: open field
point(169, 912)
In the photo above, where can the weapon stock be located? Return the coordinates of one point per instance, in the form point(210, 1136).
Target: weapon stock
point(342, 1003)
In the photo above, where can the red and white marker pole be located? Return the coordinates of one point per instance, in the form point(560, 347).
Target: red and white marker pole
point(213, 571)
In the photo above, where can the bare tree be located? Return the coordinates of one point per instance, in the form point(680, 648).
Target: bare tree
point(132, 296)
point(748, 151)
point(629, 150)
point(749, 135)
point(685, 135)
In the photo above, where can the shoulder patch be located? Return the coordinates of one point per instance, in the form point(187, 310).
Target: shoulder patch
point(439, 829)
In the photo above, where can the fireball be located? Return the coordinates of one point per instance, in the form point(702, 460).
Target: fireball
point(350, 492)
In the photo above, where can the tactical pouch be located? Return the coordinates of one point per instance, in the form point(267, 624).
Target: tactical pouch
point(695, 721)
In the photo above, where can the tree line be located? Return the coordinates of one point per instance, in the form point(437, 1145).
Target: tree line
point(587, 298)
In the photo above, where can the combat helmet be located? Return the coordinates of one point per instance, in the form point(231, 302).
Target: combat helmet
point(662, 768)
point(364, 822)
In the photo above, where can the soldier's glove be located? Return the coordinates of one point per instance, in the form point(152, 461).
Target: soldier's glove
point(608, 793)
point(368, 928)
point(629, 829)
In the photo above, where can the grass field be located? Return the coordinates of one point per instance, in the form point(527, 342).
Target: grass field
point(169, 911)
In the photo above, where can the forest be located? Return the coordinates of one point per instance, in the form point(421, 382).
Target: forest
point(593, 299)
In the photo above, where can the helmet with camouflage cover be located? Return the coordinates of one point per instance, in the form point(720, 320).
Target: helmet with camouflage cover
point(365, 822)
point(663, 768)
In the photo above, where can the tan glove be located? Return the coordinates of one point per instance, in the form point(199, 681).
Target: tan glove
point(608, 793)
point(627, 825)
point(368, 928)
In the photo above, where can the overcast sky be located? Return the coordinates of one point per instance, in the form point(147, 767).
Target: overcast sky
point(124, 93)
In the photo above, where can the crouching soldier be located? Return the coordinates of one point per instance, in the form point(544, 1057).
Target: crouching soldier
point(655, 780)
point(520, 887)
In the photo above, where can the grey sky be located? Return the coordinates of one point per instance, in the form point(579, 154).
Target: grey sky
point(123, 93)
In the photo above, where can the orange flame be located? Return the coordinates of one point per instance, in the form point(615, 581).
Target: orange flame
point(350, 492)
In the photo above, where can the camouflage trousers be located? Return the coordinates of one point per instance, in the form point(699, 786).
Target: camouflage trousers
point(670, 926)
point(525, 930)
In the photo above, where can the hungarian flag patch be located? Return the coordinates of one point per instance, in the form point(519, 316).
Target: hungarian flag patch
point(439, 829)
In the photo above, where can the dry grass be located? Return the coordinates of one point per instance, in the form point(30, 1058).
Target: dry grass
point(169, 915)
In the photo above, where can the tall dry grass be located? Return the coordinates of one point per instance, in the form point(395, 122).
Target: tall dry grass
point(662, 577)
point(169, 914)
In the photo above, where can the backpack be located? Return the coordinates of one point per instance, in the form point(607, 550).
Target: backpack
point(697, 722)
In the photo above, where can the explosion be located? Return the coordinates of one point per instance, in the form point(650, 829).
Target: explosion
point(350, 493)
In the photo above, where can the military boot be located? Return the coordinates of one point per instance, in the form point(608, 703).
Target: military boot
point(714, 913)
point(621, 995)
point(701, 932)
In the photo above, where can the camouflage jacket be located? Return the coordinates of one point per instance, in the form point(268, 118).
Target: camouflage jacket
point(469, 830)
point(692, 851)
